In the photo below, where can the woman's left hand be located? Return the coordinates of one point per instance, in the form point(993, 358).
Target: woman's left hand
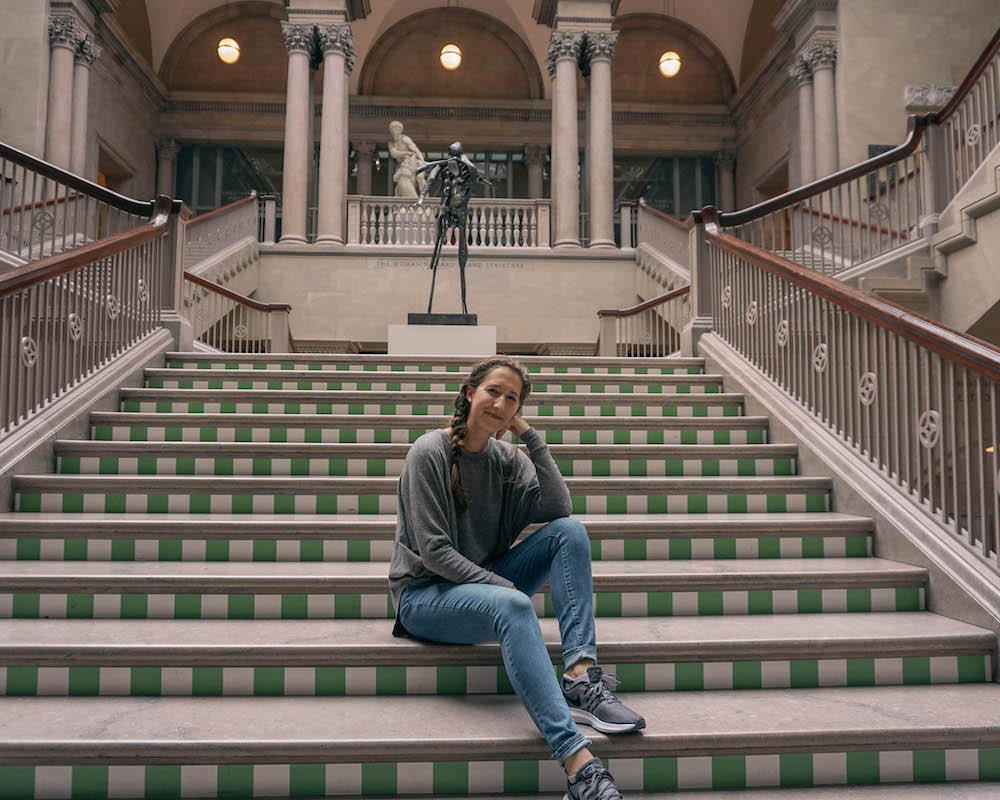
point(517, 425)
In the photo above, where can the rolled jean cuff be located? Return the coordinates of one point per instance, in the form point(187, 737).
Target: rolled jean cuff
point(570, 658)
point(578, 742)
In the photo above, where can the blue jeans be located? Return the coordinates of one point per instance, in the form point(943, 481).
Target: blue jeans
point(478, 612)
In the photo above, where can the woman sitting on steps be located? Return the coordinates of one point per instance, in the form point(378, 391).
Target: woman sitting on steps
point(464, 497)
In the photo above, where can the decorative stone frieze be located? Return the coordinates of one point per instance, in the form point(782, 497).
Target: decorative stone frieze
point(64, 32)
point(338, 39)
point(87, 51)
point(563, 44)
point(821, 54)
point(800, 71)
point(298, 38)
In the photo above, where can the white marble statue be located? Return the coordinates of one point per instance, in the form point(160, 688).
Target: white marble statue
point(409, 158)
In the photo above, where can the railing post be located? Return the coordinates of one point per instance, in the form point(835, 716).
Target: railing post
point(608, 337)
point(701, 281)
point(626, 226)
point(279, 331)
point(171, 305)
point(544, 216)
point(353, 219)
point(270, 217)
point(933, 178)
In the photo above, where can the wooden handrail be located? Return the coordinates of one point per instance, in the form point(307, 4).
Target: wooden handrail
point(141, 208)
point(242, 299)
point(47, 268)
point(628, 312)
point(979, 356)
point(252, 197)
point(966, 86)
point(41, 204)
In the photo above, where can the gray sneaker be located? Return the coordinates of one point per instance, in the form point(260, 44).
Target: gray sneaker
point(592, 782)
point(591, 702)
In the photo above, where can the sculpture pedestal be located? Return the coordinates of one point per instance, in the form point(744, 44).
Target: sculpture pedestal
point(442, 335)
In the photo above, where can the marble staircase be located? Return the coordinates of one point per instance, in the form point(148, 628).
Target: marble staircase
point(194, 604)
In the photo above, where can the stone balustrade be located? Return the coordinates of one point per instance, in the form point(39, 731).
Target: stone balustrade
point(207, 235)
point(501, 223)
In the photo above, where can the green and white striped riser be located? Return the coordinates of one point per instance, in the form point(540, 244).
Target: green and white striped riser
point(550, 382)
point(561, 365)
point(351, 429)
point(355, 681)
point(197, 458)
point(242, 781)
point(363, 495)
point(265, 401)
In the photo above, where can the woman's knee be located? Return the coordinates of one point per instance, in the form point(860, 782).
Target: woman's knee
point(572, 532)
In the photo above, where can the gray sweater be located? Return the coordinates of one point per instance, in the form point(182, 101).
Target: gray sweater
point(507, 492)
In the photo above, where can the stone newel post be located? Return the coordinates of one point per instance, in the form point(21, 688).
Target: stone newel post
point(64, 36)
point(298, 40)
point(564, 54)
point(802, 75)
point(86, 54)
point(337, 45)
point(599, 51)
point(822, 56)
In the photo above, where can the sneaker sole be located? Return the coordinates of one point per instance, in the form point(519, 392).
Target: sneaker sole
point(605, 727)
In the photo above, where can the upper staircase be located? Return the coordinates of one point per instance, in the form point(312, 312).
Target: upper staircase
point(195, 602)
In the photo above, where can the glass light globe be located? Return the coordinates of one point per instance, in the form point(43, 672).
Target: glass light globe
point(229, 51)
point(670, 64)
point(451, 56)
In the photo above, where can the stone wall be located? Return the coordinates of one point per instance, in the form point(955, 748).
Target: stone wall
point(24, 76)
point(530, 298)
point(886, 45)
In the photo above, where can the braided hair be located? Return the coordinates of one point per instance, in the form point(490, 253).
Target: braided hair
point(460, 420)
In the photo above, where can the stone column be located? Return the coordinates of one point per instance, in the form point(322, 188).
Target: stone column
point(600, 49)
point(802, 75)
point(86, 54)
point(363, 153)
point(64, 36)
point(337, 45)
point(725, 162)
point(166, 152)
point(295, 181)
point(822, 57)
point(534, 159)
point(564, 53)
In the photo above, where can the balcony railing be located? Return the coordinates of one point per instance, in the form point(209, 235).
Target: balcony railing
point(649, 329)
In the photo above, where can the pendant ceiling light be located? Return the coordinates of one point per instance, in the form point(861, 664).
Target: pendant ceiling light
point(670, 64)
point(229, 51)
point(451, 56)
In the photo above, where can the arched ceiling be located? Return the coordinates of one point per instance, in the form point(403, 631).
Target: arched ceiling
point(739, 29)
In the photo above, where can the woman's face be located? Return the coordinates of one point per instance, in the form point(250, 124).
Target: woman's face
point(495, 401)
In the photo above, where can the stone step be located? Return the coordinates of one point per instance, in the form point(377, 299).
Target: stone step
point(283, 458)
point(296, 746)
point(121, 426)
point(953, 790)
point(240, 590)
point(365, 495)
point(437, 381)
point(360, 657)
point(567, 365)
point(273, 401)
point(346, 537)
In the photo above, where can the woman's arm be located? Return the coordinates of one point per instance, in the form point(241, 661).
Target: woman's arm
point(424, 494)
point(540, 493)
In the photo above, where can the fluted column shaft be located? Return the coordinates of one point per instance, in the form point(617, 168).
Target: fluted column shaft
point(801, 73)
point(295, 180)
point(86, 54)
point(167, 153)
point(338, 53)
point(534, 158)
point(363, 153)
point(564, 53)
point(822, 57)
point(727, 181)
point(64, 35)
point(600, 48)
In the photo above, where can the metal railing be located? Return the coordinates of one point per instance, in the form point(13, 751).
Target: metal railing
point(65, 316)
point(917, 401)
point(500, 223)
point(45, 210)
point(234, 323)
point(649, 329)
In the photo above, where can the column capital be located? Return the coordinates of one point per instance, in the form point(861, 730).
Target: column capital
point(564, 44)
point(599, 45)
point(87, 51)
point(298, 38)
point(364, 149)
point(338, 39)
point(725, 159)
point(167, 149)
point(535, 154)
point(800, 71)
point(64, 31)
point(820, 54)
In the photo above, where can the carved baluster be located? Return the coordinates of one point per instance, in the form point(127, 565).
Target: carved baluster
point(509, 227)
point(481, 213)
point(534, 226)
point(383, 211)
